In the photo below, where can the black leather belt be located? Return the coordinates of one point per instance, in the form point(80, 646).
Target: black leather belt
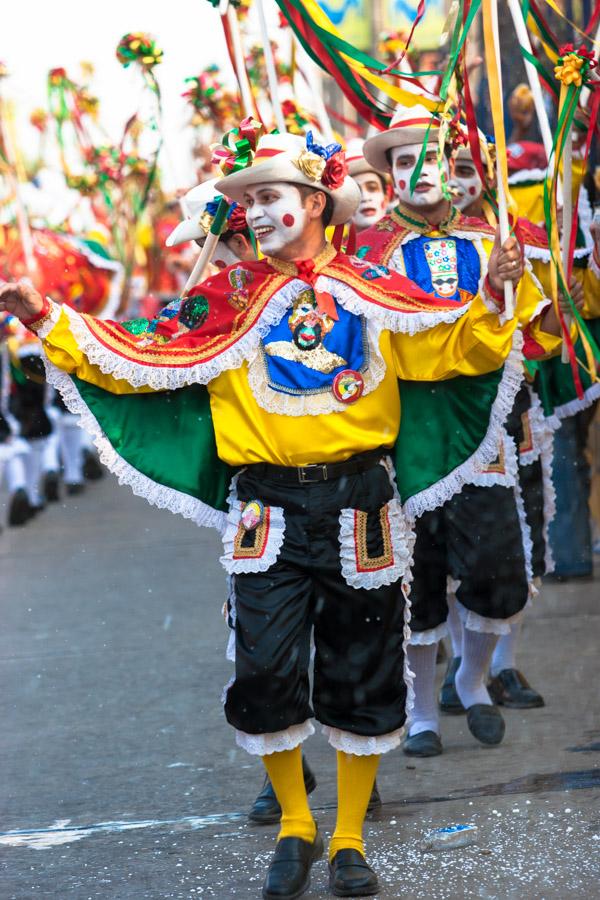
point(316, 472)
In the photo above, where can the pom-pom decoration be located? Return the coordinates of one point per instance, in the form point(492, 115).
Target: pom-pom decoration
point(212, 103)
point(139, 47)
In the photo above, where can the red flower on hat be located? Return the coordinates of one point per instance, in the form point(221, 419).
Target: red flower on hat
point(236, 222)
point(335, 171)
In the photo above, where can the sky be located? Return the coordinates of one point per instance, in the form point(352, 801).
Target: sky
point(37, 36)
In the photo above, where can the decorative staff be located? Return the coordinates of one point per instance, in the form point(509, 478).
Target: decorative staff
point(494, 74)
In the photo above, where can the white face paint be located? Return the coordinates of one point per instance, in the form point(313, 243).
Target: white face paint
point(428, 190)
point(275, 214)
point(373, 201)
point(466, 185)
point(224, 256)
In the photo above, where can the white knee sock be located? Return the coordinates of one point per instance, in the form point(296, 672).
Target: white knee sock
point(472, 673)
point(504, 654)
point(455, 626)
point(34, 464)
point(71, 449)
point(424, 716)
point(15, 474)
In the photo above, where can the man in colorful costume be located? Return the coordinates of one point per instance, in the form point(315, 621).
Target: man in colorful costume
point(284, 373)
point(431, 242)
point(532, 433)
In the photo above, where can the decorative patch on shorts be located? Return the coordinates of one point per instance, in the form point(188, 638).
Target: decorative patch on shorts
point(526, 445)
point(252, 549)
point(374, 546)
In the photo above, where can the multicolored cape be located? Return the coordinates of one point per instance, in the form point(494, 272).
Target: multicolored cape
point(143, 391)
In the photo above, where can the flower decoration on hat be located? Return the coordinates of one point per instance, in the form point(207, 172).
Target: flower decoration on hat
point(326, 164)
point(574, 66)
point(139, 47)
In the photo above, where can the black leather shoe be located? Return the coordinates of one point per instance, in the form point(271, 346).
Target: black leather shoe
point(266, 809)
point(425, 743)
point(92, 468)
point(51, 487)
point(449, 701)
point(374, 800)
point(289, 871)
point(510, 688)
point(75, 488)
point(350, 876)
point(486, 723)
point(20, 510)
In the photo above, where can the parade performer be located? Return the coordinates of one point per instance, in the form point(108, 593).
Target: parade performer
point(532, 434)
point(284, 373)
point(428, 239)
point(201, 204)
point(374, 187)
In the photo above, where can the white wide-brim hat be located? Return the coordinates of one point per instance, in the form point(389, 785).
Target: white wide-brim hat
point(409, 125)
point(285, 158)
point(195, 226)
point(356, 162)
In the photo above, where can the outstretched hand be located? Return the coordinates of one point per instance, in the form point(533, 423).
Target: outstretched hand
point(21, 300)
point(505, 263)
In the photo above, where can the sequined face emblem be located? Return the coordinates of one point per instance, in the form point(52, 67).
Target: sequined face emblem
point(308, 327)
point(348, 386)
point(443, 266)
point(253, 515)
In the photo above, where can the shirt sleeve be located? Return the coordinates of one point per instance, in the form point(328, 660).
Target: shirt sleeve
point(473, 345)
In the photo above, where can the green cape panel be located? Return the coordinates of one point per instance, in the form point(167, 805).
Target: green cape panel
point(555, 384)
point(167, 437)
point(444, 427)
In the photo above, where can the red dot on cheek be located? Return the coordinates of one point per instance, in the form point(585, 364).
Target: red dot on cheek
point(472, 191)
point(402, 183)
point(288, 220)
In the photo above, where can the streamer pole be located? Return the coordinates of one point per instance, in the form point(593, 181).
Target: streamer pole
point(271, 71)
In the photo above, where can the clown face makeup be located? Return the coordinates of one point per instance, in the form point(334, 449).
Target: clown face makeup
point(428, 190)
point(222, 256)
point(466, 185)
point(275, 214)
point(373, 200)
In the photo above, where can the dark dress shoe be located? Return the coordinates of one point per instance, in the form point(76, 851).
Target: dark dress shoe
point(374, 800)
point(351, 876)
point(425, 743)
point(20, 510)
point(510, 688)
point(449, 701)
point(51, 487)
point(289, 871)
point(486, 723)
point(92, 467)
point(266, 809)
point(75, 488)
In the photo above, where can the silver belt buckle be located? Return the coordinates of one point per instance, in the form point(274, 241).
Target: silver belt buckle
point(304, 475)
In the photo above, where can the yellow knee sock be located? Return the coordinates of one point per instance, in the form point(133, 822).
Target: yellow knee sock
point(285, 771)
point(355, 778)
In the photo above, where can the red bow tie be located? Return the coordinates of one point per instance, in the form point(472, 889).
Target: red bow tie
point(325, 302)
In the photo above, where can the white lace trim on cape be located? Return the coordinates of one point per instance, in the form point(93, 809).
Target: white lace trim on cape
point(142, 486)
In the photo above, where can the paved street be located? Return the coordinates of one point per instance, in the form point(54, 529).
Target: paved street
point(121, 778)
